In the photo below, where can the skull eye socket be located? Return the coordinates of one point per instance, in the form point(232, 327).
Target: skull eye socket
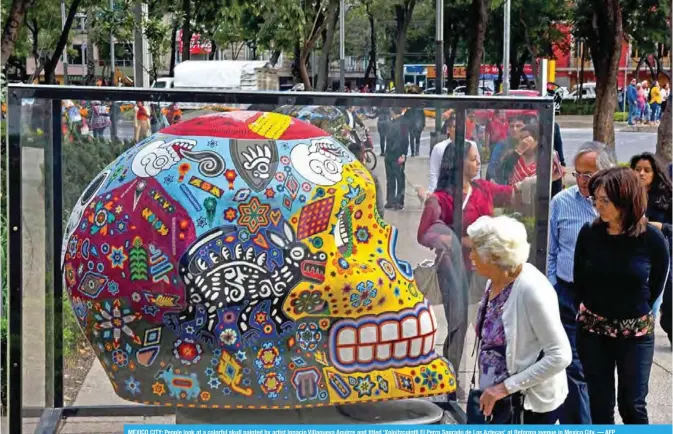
point(331, 167)
point(297, 253)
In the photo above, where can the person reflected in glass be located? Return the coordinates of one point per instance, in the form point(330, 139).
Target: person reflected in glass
point(480, 197)
point(621, 266)
point(523, 347)
point(654, 177)
point(382, 124)
point(493, 173)
point(395, 159)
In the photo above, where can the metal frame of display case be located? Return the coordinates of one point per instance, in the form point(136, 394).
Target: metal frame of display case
point(54, 411)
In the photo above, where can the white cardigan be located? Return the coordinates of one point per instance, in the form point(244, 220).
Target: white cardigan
point(532, 324)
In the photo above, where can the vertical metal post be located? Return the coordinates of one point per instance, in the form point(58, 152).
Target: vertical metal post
point(65, 50)
point(53, 281)
point(439, 67)
point(439, 47)
point(342, 45)
point(15, 284)
point(112, 48)
point(543, 187)
point(461, 117)
point(505, 48)
point(544, 74)
point(627, 61)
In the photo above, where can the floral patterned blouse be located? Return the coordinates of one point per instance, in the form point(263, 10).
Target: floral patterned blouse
point(492, 361)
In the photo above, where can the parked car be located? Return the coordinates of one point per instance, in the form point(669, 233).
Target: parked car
point(483, 90)
point(431, 91)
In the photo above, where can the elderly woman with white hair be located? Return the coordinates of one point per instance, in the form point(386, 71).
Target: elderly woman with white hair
point(523, 347)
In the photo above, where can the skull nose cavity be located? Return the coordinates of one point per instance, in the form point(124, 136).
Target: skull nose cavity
point(386, 343)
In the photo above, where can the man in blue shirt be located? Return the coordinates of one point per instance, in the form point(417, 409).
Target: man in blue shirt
point(632, 100)
point(568, 212)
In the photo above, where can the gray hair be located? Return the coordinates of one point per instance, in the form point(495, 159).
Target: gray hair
point(605, 156)
point(502, 241)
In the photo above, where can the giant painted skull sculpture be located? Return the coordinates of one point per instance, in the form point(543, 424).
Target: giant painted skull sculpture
point(238, 260)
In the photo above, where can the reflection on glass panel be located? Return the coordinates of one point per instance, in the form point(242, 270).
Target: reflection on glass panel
point(223, 256)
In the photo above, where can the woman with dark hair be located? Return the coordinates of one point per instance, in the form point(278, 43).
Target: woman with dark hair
point(654, 177)
point(621, 266)
point(479, 199)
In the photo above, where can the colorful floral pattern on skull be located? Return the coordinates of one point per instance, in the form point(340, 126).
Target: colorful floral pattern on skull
point(238, 259)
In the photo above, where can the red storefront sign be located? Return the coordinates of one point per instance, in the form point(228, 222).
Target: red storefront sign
point(461, 70)
point(196, 45)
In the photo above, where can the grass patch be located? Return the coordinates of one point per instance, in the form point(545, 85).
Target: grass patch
point(621, 117)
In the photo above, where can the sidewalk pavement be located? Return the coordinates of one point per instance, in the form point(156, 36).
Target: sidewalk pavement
point(96, 389)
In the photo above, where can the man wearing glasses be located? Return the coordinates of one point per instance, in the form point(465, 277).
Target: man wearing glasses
point(568, 212)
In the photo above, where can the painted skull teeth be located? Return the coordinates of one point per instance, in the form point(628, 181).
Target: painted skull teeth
point(378, 342)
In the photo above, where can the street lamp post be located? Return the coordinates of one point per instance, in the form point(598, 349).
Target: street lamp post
point(112, 48)
point(505, 49)
point(439, 47)
point(342, 45)
point(65, 50)
point(439, 67)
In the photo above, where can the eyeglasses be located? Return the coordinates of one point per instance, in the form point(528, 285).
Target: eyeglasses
point(583, 176)
point(602, 200)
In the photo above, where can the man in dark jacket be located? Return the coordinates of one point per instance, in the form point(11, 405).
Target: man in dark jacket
point(396, 154)
point(415, 118)
point(382, 127)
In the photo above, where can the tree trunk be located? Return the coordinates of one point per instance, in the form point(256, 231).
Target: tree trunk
point(653, 76)
point(10, 32)
point(450, 56)
point(34, 29)
point(517, 70)
point(583, 61)
point(303, 71)
point(330, 30)
point(213, 50)
point(186, 30)
point(532, 51)
point(664, 148)
point(90, 79)
point(50, 67)
point(638, 66)
point(174, 43)
point(275, 56)
point(606, 46)
point(403, 13)
point(476, 53)
point(373, 52)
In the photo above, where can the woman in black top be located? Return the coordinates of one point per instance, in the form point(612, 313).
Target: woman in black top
point(654, 177)
point(621, 265)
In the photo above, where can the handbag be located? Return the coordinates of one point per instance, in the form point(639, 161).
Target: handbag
point(427, 281)
point(506, 411)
